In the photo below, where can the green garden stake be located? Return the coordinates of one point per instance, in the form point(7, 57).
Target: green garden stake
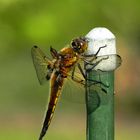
point(100, 105)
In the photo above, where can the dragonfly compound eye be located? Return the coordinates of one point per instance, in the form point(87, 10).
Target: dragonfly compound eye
point(79, 44)
point(73, 44)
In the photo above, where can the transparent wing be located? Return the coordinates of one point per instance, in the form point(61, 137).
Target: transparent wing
point(74, 91)
point(40, 62)
point(74, 88)
point(103, 63)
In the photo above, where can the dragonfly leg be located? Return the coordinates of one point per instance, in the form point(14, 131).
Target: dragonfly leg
point(94, 82)
point(104, 90)
point(81, 70)
point(95, 64)
point(74, 79)
point(94, 55)
point(100, 49)
point(94, 58)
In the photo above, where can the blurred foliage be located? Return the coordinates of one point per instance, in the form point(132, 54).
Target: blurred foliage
point(24, 23)
point(27, 22)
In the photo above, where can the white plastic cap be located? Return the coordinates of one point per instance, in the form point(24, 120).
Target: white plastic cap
point(99, 37)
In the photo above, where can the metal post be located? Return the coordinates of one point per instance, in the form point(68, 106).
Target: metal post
point(100, 106)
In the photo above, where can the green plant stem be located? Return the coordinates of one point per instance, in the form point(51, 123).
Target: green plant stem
point(100, 108)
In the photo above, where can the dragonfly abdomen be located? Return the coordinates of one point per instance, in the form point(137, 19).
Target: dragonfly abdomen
point(55, 90)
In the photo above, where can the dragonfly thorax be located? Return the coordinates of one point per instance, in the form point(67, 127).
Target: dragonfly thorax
point(66, 60)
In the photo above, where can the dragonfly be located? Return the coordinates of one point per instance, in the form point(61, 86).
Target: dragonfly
point(71, 63)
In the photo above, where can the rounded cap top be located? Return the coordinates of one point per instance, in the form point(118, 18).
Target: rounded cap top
point(99, 37)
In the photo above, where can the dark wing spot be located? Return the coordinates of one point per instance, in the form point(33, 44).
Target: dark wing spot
point(47, 77)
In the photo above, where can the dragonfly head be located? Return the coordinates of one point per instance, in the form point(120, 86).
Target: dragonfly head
point(79, 45)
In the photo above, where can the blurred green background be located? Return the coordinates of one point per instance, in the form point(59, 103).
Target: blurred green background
point(24, 23)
